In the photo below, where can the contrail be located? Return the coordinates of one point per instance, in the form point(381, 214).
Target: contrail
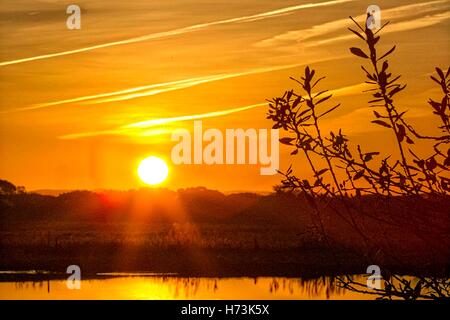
point(321, 30)
point(158, 88)
point(194, 82)
point(155, 122)
point(126, 129)
point(178, 31)
point(114, 93)
point(153, 89)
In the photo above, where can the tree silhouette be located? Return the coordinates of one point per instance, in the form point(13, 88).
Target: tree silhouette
point(7, 187)
point(343, 176)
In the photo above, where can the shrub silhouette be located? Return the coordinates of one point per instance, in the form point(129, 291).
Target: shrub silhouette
point(344, 176)
point(8, 188)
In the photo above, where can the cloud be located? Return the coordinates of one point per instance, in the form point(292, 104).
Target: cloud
point(170, 33)
point(321, 30)
point(131, 128)
point(350, 90)
point(424, 22)
point(139, 128)
point(359, 120)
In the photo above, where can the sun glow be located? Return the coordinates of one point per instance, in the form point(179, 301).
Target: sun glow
point(153, 170)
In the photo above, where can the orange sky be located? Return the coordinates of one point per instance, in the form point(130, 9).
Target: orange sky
point(64, 93)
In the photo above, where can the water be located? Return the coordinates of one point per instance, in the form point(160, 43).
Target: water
point(156, 287)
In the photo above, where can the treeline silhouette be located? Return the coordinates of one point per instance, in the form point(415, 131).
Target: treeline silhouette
point(158, 205)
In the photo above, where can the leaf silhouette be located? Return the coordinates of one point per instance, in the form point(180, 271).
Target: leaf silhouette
point(440, 73)
point(358, 175)
point(320, 172)
point(324, 99)
point(431, 164)
point(382, 123)
point(401, 132)
point(358, 52)
point(396, 90)
point(287, 140)
point(435, 80)
point(357, 33)
point(387, 53)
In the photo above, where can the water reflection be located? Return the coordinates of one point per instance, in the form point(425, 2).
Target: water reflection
point(172, 287)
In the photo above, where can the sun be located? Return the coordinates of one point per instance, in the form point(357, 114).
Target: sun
point(153, 170)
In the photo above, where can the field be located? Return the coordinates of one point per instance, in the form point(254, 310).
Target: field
point(274, 235)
